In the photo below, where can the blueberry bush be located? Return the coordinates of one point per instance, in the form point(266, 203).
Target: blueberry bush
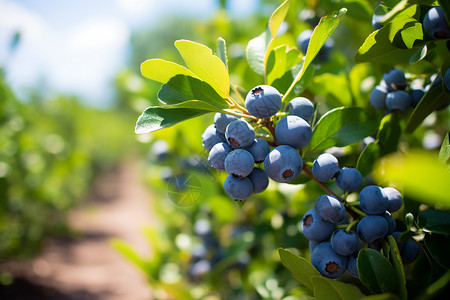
point(330, 131)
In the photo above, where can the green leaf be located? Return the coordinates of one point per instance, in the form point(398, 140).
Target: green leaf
point(420, 173)
point(444, 152)
point(438, 245)
point(161, 70)
point(208, 67)
point(378, 48)
point(357, 77)
point(182, 88)
point(129, 253)
point(431, 101)
point(256, 52)
point(406, 16)
point(385, 296)
point(421, 53)
point(412, 33)
point(367, 159)
point(326, 289)
point(389, 134)
point(343, 126)
point(398, 266)
point(435, 221)
point(281, 60)
point(156, 117)
point(335, 88)
point(376, 272)
point(321, 33)
point(222, 51)
point(301, 269)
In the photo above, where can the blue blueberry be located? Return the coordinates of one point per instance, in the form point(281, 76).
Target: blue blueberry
point(293, 131)
point(283, 164)
point(373, 201)
point(372, 228)
point(218, 154)
point(238, 188)
point(398, 101)
point(416, 95)
point(349, 179)
point(330, 208)
point(240, 134)
point(395, 80)
point(312, 245)
point(314, 228)
point(259, 149)
point(352, 266)
point(327, 261)
point(221, 121)
point(378, 97)
point(394, 197)
point(410, 251)
point(263, 101)
point(435, 81)
point(259, 180)
point(303, 42)
point(447, 79)
point(239, 163)
point(160, 150)
point(211, 136)
point(390, 221)
point(435, 24)
point(325, 167)
point(344, 243)
point(301, 107)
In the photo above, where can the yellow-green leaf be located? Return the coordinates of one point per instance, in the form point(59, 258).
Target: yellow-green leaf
point(161, 70)
point(325, 288)
point(208, 67)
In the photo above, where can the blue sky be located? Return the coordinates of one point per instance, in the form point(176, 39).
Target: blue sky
point(60, 48)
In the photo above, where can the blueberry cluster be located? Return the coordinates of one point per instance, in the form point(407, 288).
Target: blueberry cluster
point(326, 167)
point(334, 248)
point(234, 149)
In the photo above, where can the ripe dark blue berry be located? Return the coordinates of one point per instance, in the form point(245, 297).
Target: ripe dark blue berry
point(238, 188)
point(352, 267)
point(416, 95)
point(330, 208)
point(394, 197)
point(240, 134)
point(373, 201)
point(221, 121)
point(263, 101)
point(239, 163)
point(327, 261)
point(410, 251)
point(314, 228)
point(218, 154)
point(283, 164)
point(344, 243)
point(293, 131)
point(372, 228)
point(211, 136)
point(398, 101)
point(395, 80)
point(259, 149)
point(349, 179)
point(435, 24)
point(378, 97)
point(325, 167)
point(390, 221)
point(259, 180)
point(301, 107)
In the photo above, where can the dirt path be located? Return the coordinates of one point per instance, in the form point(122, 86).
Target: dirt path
point(88, 268)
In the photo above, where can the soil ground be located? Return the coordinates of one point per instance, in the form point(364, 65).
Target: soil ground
point(87, 267)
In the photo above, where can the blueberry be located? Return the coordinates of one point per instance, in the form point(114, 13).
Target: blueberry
point(378, 97)
point(211, 136)
point(314, 228)
point(312, 245)
point(390, 221)
point(325, 167)
point(398, 101)
point(238, 188)
point(352, 266)
point(396, 235)
point(349, 179)
point(327, 262)
point(395, 80)
point(283, 164)
point(259, 149)
point(221, 121)
point(259, 180)
point(330, 208)
point(293, 131)
point(416, 95)
point(409, 252)
point(218, 154)
point(447, 79)
point(263, 101)
point(239, 163)
point(160, 150)
point(372, 228)
point(344, 243)
point(394, 199)
point(240, 134)
point(303, 42)
point(435, 24)
point(373, 201)
point(301, 107)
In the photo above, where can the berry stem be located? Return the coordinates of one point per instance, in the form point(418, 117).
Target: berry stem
point(248, 116)
point(353, 203)
point(268, 125)
point(233, 104)
point(358, 211)
point(235, 90)
point(323, 186)
point(349, 227)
